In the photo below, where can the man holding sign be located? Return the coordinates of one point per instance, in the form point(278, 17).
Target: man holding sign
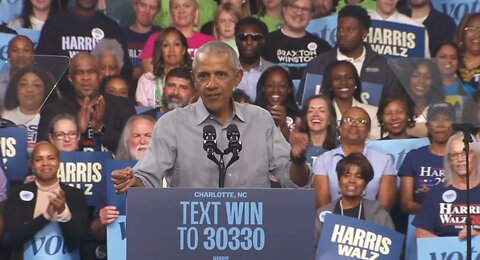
point(176, 151)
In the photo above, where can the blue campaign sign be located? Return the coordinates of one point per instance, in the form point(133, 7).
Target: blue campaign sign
point(446, 248)
point(13, 145)
point(350, 238)
point(371, 92)
point(457, 9)
point(34, 35)
point(397, 39)
point(325, 28)
point(117, 239)
point(189, 223)
point(4, 40)
point(313, 86)
point(85, 171)
point(9, 10)
point(49, 243)
point(113, 198)
point(398, 148)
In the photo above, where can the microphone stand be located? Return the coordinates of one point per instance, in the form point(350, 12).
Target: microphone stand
point(222, 170)
point(467, 139)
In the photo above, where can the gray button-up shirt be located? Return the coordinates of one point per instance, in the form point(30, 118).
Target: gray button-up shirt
point(176, 150)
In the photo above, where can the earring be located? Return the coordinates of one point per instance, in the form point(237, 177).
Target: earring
point(364, 193)
point(355, 87)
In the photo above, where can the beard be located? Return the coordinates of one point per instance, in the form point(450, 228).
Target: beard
point(137, 152)
point(167, 101)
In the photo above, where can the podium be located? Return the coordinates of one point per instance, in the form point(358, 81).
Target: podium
point(193, 223)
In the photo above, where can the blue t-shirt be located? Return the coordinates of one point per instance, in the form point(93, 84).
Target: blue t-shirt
point(444, 211)
point(425, 167)
point(135, 43)
point(313, 152)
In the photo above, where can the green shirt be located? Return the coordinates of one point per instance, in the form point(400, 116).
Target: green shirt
point(367, 4)
point(272, 24)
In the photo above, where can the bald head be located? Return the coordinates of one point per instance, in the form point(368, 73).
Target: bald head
point(359, 114)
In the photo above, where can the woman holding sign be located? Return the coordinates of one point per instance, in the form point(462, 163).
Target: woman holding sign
point(31, 207)
point(354, 172)
point(443, 211)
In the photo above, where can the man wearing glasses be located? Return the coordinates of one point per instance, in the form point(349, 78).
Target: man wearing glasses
point(249, 37)
point(292, 46)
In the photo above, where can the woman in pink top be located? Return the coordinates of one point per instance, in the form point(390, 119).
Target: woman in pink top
point(184, 15)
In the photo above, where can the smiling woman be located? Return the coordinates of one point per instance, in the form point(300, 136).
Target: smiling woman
point(319, 122)
point(32, 206)
point(276, 93)
point(354, 172)
point(27, 91)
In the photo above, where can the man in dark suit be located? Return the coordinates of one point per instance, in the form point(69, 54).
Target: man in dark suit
point(100, 117)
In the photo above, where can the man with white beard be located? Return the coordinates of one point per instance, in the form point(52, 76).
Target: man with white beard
point(135, 137)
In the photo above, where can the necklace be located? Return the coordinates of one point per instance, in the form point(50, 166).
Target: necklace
point(359, 210)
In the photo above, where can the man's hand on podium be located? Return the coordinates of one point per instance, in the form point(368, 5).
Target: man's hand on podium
point(123, 179)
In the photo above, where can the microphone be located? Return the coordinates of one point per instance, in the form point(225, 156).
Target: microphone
point(209, 139)
point(234, 143)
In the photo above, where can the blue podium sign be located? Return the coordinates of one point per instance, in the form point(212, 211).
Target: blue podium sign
point(13, 147)
point(350, 238)
point(446, 248)
point(85, 171)
point(49, 243)
point(189, 223)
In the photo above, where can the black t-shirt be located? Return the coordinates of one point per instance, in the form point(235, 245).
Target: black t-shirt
point(293, 53)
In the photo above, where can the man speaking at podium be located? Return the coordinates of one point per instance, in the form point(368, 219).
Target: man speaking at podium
point(177, 153)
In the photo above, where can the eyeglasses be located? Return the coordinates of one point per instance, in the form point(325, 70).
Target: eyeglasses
point(472, 29)
point(253, 36)
point(295, 9)
point(459, 156)
point(62, 135)
point(354, 122)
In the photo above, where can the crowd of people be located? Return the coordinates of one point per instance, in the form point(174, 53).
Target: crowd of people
point(145, 91)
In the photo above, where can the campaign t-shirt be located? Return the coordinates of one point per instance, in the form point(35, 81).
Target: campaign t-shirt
point(444, 210)
point(293, 53)
point(425, 167)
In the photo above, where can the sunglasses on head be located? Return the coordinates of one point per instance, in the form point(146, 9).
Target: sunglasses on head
point(252, 36)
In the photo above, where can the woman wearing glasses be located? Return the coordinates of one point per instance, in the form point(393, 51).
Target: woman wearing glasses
point(354, 129)
point(443, 211)
point(343, 86)
point(422, 168)
point(64, 133)
point(467, 37)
